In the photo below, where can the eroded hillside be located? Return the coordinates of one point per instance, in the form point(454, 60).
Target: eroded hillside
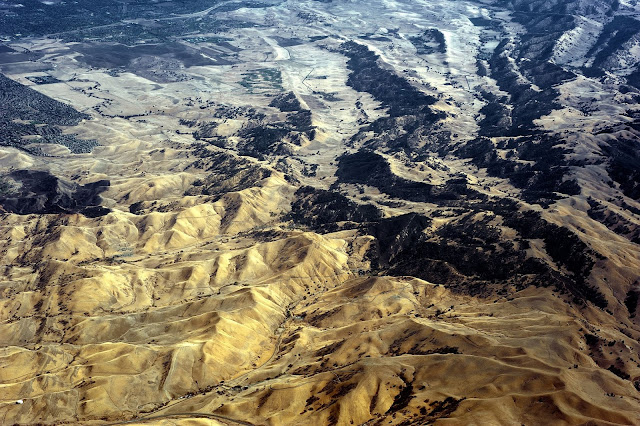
point(320, 212)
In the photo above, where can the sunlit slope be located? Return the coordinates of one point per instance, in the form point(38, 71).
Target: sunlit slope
point(274, 325)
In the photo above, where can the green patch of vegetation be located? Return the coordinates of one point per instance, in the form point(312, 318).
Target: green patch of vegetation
point(6, 187)
point(206, 39)
point(262, 79)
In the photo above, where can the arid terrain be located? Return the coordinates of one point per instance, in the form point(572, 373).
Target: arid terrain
point(320, 212)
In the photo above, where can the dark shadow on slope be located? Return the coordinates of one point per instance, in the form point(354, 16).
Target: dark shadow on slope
point(40, 192)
